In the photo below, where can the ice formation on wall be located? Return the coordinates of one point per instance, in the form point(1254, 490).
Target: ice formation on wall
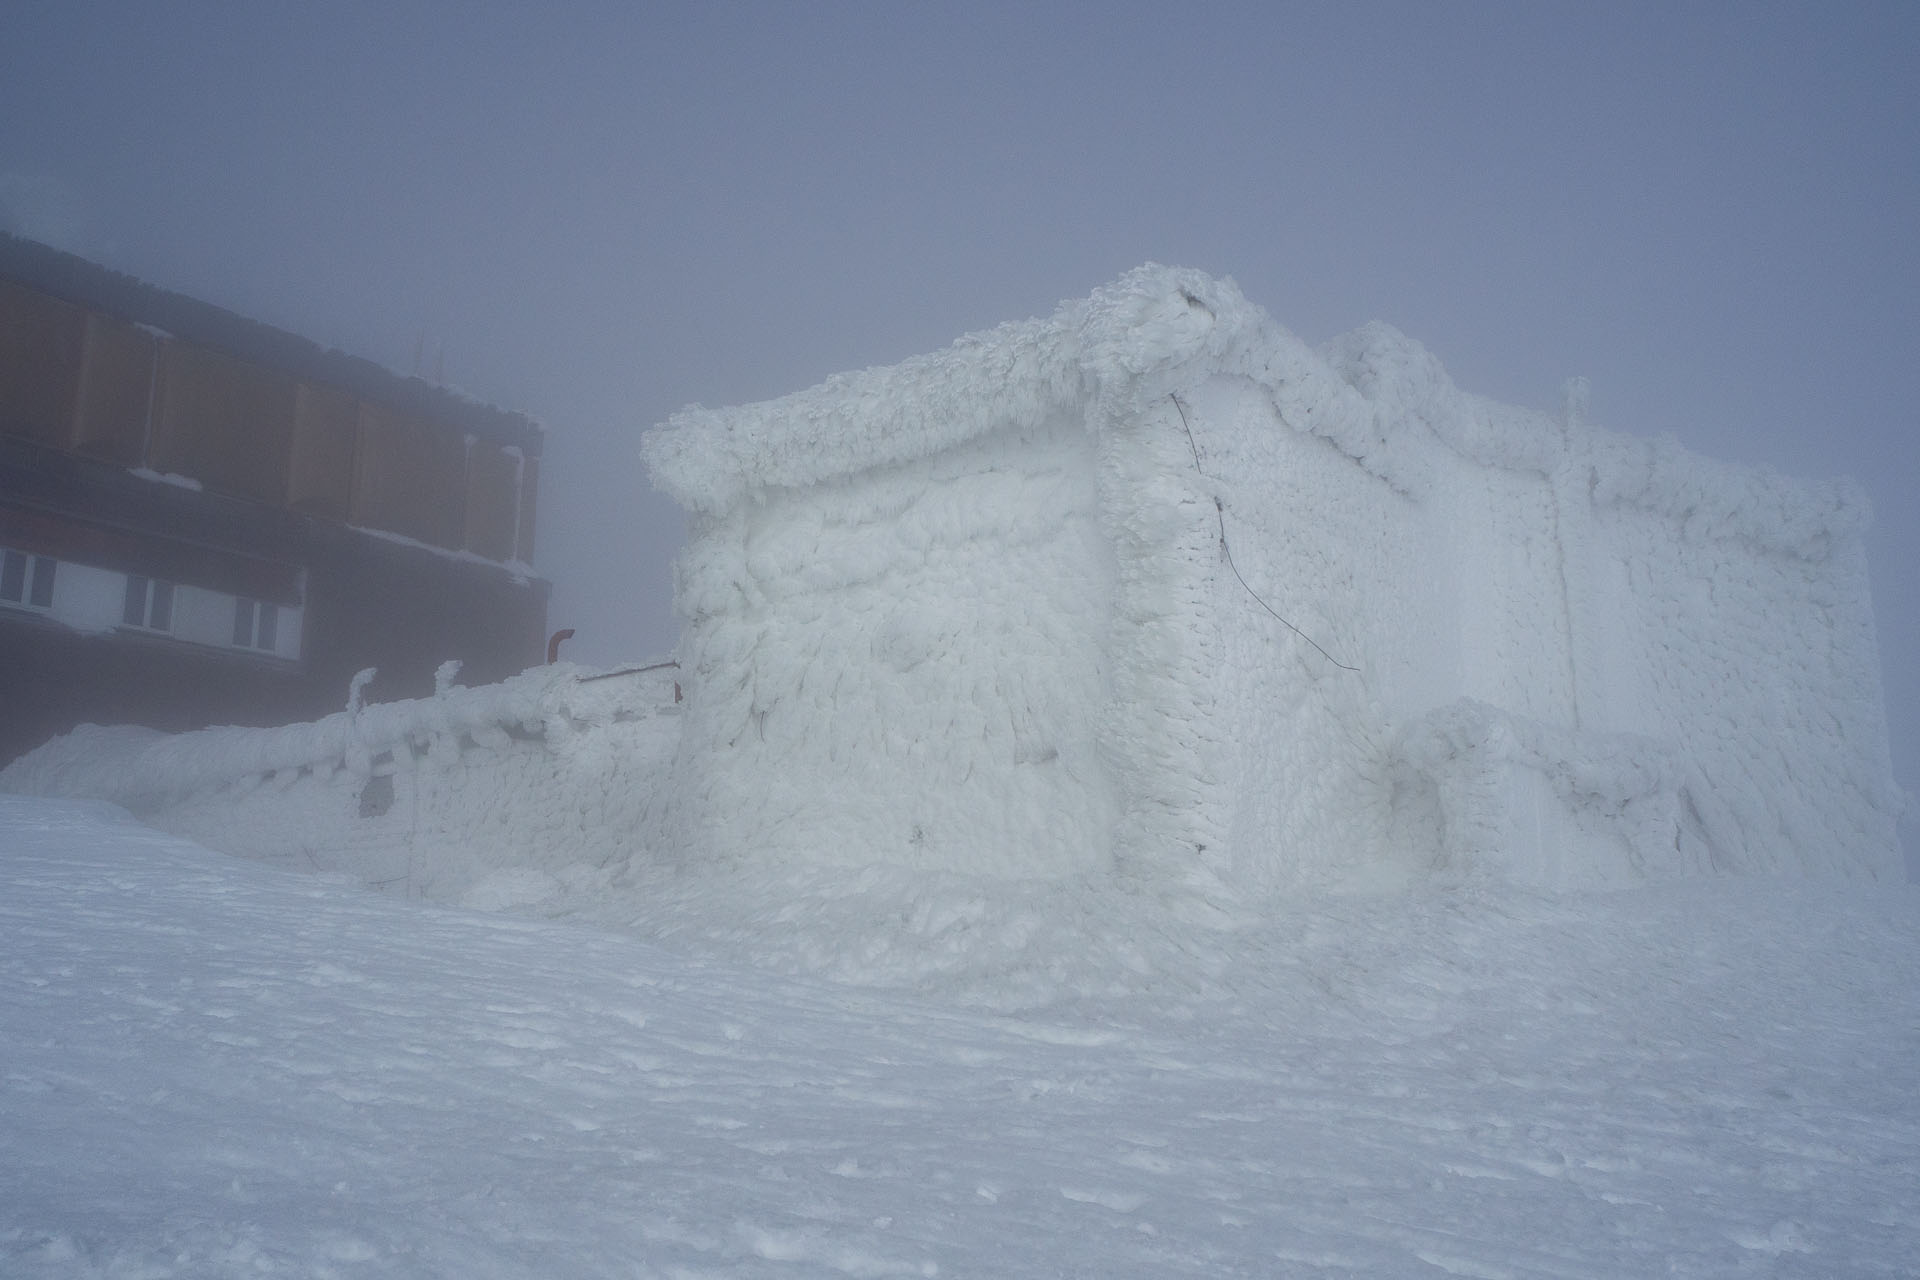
point(1081, 594)
point(1008, 664)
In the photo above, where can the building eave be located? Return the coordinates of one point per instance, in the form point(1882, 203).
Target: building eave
point(62, 275)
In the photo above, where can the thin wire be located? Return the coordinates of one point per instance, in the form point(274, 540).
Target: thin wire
point(1220, 516)
point(630, 671)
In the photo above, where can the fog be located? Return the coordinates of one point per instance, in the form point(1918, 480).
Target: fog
point(599, 213)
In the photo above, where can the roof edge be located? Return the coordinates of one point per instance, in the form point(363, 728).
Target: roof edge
point(99, 288)
point(1375, 394)
point(1150, 321)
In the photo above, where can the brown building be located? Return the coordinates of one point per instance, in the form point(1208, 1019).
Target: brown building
point(205, 520)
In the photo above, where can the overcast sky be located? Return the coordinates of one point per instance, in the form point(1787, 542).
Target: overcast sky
point(599, 213)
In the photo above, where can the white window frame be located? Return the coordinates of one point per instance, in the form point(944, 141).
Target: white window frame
point(154, 611)
point(256, 625)
point(35, 586)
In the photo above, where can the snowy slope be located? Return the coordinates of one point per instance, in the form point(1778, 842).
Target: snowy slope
point(212, 1068)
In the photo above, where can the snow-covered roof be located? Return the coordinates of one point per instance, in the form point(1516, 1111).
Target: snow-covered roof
point(1375, 394)
point(1151, 320)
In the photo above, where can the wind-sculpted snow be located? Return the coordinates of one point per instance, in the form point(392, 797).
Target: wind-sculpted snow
point(212, 1069)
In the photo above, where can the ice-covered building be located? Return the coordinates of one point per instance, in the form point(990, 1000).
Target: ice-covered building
point(1152, 587)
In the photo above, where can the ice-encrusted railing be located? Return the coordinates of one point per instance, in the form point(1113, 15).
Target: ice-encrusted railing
point(144, 770)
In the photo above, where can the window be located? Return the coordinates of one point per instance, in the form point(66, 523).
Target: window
point(13, 577)
point(149, 604)
point(27, 580)
point(256, 624)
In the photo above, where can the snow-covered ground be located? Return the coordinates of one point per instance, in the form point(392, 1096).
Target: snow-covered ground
point(213, 1067)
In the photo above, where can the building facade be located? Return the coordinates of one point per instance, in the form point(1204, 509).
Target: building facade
point(1150, 588)
point(205, 520)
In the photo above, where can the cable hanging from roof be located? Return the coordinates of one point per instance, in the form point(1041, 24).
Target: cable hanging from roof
point(1220, 516)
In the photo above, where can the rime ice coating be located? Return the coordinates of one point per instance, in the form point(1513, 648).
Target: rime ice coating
point(973, 612)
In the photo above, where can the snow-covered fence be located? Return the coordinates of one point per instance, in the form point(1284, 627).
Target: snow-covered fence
point(144, 770)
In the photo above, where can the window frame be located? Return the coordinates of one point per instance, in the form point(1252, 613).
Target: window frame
point(26, 579)
point(256, 625)
point(154, 614)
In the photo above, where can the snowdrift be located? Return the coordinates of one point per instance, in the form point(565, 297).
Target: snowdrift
point(498, 796)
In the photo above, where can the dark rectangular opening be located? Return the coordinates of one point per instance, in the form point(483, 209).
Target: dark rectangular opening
point(160, 617)
point(43, 567)
point(133, 612)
